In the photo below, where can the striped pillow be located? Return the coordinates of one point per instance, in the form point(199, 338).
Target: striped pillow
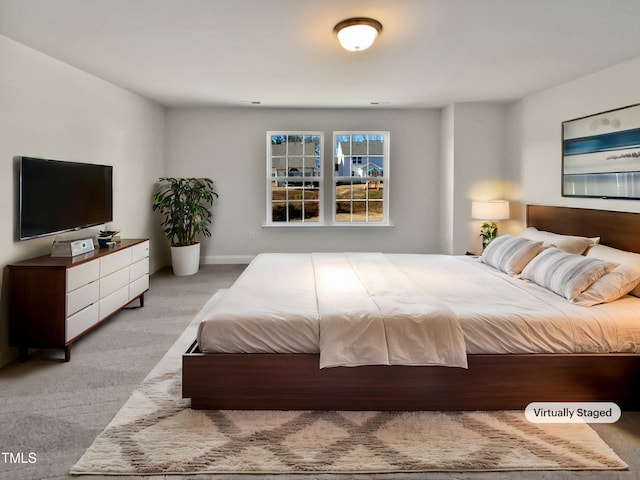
point(615, 284)
point(510, 254)
point(565, 273)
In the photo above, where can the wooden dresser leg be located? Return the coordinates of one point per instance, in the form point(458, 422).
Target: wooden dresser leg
point(142, 300)
point(67, 352)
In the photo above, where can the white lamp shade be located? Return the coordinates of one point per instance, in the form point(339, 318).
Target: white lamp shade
point(357, 34)
point(492, 210)
point(357, 37)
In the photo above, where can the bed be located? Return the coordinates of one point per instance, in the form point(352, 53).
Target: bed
point(595, 359)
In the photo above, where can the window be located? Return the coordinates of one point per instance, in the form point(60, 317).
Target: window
point(361, 177)
point(295, 174)
point(294, 177)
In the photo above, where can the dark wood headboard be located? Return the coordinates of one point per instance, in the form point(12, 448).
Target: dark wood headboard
point(615, 229)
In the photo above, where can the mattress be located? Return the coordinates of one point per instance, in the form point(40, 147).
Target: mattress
point(283, 303)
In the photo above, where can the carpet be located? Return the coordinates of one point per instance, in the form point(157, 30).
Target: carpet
point(156, 433)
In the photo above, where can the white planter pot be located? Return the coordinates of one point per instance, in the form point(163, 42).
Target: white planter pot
point(185, 260)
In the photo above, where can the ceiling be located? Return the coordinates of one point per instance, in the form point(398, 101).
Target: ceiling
point(282, 53)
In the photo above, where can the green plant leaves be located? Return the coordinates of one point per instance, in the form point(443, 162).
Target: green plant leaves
point(186, 204)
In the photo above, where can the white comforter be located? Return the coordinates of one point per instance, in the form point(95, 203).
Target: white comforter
point(372, 314)
point(358, 309)
point(354, 309)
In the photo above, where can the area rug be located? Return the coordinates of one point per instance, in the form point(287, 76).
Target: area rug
point(156, 433)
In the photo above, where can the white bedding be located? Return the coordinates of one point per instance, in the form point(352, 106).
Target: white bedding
point(358, 309)
point(370, 313)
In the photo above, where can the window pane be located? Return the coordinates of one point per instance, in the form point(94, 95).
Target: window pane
point(278, 193)
point(343, 211)
point(359, 190)
point(376, 211)
point(343, 191)
point(342, 166)
point(312, 145)
point(294, 191)
point(279, 166)
point(359, 145)
point(317, 167)
point(376, 146)
point(294, 146)
point(359, 211)
point(311, 211)
point(295, 211)
point(295, 166)
point(343, 144)
point(278, 145)
point(278, 212)
point(376, 189)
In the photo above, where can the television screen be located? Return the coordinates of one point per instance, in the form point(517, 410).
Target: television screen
point(57, 196)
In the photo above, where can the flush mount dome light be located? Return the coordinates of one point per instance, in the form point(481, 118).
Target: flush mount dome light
point(357, 34)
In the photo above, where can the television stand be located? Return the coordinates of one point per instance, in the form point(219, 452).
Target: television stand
point(53, 301)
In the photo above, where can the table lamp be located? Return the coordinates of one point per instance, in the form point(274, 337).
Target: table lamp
point(489, 211)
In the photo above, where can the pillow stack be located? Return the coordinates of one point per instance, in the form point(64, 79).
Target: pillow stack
point(577, 268)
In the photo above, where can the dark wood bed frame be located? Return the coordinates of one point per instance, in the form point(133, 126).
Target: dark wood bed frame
point(492, 382)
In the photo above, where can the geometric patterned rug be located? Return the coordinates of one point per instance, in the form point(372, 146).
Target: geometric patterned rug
point(156, 433)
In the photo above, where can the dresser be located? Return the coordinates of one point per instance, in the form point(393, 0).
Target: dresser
point(54, 301)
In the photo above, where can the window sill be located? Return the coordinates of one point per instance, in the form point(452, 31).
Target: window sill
point(333, 225)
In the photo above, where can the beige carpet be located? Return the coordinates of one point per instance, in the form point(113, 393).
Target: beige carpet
point(155, 433)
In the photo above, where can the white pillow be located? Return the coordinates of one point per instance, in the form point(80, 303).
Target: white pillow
point(568, 243)
point(565, 273)
point(628, 259)
point(611, 286)
point(510, 254)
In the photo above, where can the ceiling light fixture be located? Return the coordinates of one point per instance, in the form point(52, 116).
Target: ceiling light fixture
point(357, 34)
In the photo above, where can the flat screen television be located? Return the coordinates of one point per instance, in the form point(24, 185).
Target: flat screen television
point(58, 196)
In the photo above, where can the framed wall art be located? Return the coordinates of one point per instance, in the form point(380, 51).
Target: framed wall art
point(601, 155)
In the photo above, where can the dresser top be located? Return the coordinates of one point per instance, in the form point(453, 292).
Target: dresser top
point(66, 262)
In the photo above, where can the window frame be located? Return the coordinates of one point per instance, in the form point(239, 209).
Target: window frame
point(270, 179)
point(384, 178)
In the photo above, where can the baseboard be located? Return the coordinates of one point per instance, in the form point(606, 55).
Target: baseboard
point(227, 259)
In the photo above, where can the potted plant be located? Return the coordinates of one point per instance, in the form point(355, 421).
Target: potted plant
point(186, 204)
point(106, 238)
point(488, 232)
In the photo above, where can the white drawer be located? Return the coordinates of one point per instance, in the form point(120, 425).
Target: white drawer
point(82, 274)
point(78, 323)
point(138, 286)
point(113, 282)
point(113, 302)
point(82, 297)
point(140, 251)
point(115, 261)
point(139, 269)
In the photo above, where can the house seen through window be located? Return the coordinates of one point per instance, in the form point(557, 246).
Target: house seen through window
point(295, 178)
point(360, 177)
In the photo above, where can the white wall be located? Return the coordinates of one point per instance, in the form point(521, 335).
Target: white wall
point(229, 145)
point(49, 109)
point(473, 158)
point(537, 132)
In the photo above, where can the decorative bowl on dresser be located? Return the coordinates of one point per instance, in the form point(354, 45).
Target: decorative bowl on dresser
point(54, 301)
